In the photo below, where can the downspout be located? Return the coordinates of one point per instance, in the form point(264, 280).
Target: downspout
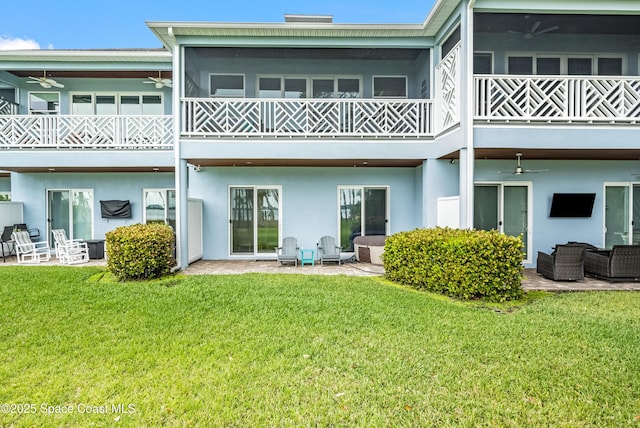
point(467, 115)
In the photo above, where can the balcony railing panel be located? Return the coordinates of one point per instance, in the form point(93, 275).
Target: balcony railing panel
point(557, 99)
point(8, 107)
point(111, 132)
point(306, 118)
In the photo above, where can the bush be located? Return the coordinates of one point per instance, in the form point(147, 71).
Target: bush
point(140, 251)
point(466, 264)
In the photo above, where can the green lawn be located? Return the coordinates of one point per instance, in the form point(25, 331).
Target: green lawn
point(288, 350)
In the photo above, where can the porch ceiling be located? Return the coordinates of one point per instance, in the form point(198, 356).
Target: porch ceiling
point(91, 169)
point(358, 163)
point(567, 24)
point(98, 74)
point(553, 154)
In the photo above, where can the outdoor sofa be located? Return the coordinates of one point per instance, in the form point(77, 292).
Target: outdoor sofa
point(621, 263)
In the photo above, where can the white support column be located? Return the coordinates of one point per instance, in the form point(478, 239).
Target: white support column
point(181, 171)
point(467, 155)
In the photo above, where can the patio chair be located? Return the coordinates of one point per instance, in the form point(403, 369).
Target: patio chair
point(328, 251)
point(28, 251)
point(69, 251)
point(288, 252)
point(7, 244)
point(621, 263)
point(566, 263)
point(34, 232)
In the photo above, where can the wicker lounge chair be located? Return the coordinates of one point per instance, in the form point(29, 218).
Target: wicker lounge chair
point(288, 252)
point(566, 263)
point(621, 263)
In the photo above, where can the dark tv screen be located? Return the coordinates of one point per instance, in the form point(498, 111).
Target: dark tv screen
point(572, 204)
point(115, 209)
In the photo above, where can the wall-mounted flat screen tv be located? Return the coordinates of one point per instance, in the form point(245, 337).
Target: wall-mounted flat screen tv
point(115, 209)
point(572, 204)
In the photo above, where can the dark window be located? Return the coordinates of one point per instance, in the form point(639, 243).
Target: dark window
point(482, 63)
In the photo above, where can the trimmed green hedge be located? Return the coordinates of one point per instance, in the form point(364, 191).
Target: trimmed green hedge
point(466, 264)
point(140, 251)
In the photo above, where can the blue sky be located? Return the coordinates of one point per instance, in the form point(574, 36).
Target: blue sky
point(86, 24)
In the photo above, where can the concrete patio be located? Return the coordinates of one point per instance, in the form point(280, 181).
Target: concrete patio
point(532, 280)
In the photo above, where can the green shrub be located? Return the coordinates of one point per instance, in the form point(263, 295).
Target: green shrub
point(140, 251)
point(466, 264)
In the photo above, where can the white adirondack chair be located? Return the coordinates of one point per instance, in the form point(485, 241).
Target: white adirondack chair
point(28, 251)
point(69, 251)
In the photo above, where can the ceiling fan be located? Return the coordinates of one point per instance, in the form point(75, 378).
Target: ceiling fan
point(531, 32)
point(44, 81)
point(519, 170)
point(159, 81)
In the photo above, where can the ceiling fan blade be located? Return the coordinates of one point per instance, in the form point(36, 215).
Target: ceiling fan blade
point(514, 32)
point(54, 83)
point(546, 30)
point(535, 26)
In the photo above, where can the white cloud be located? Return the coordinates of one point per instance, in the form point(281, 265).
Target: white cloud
point(8, 44)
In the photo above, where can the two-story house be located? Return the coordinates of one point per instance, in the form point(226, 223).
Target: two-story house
point(476, 117)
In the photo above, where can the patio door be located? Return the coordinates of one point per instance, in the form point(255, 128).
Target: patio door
point(71, 210)
point(254, 219)
point(504, 207)
point(363, 211)
point(160, 206)
point(621, 214)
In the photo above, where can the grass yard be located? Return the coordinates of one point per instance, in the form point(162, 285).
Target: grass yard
point(287, 350)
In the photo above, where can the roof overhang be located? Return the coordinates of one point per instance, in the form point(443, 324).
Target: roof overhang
point(172, 33)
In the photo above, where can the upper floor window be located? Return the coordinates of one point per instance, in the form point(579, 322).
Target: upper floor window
point(298, 87)
point(226, 85)
point(390, 86)
point(572, 65)
point(44, 102)
point(112, 104)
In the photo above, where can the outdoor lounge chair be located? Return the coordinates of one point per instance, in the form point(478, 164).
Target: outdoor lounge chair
point(69, 251)
point(621, 263)
point(288, 252)
point(328, 251)
point(566, 263)
point(28, 251)
point(34, 232)
point(7, 244)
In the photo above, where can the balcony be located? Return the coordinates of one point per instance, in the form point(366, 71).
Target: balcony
point(557, 99)
point(83, 132)
point(307, 118)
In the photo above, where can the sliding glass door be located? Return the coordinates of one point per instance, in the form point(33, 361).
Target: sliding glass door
point(621, 214)
point(71, 210)
point(160, 206)
point(504, 207)
point(363, 211)
point(254, 219)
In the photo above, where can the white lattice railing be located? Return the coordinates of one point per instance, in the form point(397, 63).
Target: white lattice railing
point(71, 131)
point(448, 89)
point(557, 99)
point(7, 107)
point(306, 117)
